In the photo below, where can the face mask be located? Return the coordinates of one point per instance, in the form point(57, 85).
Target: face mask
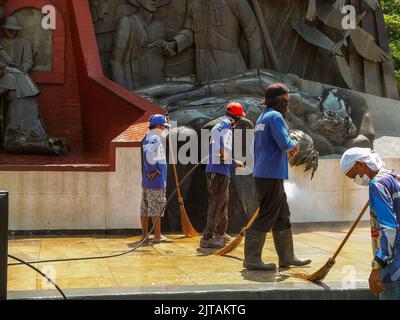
point(164, 133)
point(281, 105)
point(364, 181)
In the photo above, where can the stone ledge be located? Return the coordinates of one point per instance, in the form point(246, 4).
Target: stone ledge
point(303, 291)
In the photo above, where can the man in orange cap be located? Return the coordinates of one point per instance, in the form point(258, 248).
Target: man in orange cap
point(218, 172)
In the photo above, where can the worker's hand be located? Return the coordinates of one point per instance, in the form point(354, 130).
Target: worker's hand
point(239, 164)
point(153, 175)
point(295, 151)
point(375, 281)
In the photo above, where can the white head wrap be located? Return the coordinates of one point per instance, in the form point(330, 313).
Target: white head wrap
point(364, 155)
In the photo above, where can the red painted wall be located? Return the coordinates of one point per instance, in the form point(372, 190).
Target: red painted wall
point(107, 109)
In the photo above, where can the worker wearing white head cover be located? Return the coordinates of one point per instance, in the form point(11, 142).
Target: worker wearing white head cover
point(361, 155)
point(366, 168)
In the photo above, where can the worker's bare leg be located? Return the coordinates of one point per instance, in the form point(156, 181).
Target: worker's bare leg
point(145, 225)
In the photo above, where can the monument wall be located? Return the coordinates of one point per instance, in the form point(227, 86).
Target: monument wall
point(59, 99)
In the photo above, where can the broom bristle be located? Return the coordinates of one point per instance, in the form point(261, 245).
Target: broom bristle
point(317, 276)
point(188, 230)
point(230, 246)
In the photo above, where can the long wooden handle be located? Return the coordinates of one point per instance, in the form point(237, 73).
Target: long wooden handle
point(251, 221)
point(253, 218)
point(351, 230)
point(171, 154)
point(267, 36)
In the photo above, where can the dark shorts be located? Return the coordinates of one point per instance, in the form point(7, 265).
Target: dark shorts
point(274, 209)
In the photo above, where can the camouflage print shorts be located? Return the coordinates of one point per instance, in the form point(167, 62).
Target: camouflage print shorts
point(153, 202)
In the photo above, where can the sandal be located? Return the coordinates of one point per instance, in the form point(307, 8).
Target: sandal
point(163, 240)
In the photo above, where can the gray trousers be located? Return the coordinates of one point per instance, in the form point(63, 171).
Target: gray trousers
point(217, 214)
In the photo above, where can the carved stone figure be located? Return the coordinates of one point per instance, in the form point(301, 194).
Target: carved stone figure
point(335, 118)
point(105, 15)
point(24, 131)
point(363, 42)
point(137, 57)
point(173, 15)
point(17, 50)
point(298, 54)
point(214, 28)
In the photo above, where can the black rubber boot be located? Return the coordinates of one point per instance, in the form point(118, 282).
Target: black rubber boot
point(284, 248)
point(253, 247)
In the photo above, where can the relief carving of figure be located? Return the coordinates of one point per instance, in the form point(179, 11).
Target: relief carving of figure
point(24, 130)
point(17, 50)
point(138, 55)
point(214, 28)
point(105, 15)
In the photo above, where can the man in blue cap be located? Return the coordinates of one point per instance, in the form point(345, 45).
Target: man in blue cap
point(154, 176)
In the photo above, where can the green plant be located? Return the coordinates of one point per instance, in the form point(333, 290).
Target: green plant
point(391, 11)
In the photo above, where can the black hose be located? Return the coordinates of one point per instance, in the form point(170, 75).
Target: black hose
point(133, 249)
point(41, 273)
point(30, 263)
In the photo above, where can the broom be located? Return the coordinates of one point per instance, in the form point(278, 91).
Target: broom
point(188, 230)
point(323, 272)
point(238, 240)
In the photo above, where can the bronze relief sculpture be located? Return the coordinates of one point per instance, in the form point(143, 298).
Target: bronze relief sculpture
point(214, 28)
point(24, 130)
point(137, 58)
point(242, 46)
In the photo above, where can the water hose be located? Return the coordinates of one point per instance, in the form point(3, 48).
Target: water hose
point(30, 263)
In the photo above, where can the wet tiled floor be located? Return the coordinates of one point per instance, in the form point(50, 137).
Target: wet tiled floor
point(179, 263)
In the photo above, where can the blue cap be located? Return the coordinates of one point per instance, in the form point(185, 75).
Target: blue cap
point(158, 120)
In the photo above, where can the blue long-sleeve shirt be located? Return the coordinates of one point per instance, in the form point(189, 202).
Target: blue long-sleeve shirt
point(271, 145)
point(221, 138)
point(153, 159)
point(384, 192)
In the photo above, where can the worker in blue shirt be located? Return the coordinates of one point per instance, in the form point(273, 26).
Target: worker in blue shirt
point(154, 176)
point(218, 170)
point(271, 147)
point(367, 169)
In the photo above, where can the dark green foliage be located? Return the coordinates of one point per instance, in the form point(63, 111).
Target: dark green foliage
point(391, 10)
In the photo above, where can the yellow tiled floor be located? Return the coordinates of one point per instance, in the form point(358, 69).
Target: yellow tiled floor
point(178, 263)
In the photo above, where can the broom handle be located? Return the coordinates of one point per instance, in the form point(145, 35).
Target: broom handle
point(351, 230)
point(253, 218)
point(178, 189)
point(248, 225)
point(267, 36)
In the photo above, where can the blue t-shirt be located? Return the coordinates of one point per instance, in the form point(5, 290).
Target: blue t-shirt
point(271, 145)
point(221, 138)
point(384, 193)
point(153, 158)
